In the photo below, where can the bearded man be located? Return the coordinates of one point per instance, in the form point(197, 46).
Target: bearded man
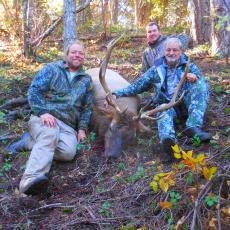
point(61, 99)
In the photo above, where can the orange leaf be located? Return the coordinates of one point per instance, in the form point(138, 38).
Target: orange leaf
point(205, 171)
point(166, 204)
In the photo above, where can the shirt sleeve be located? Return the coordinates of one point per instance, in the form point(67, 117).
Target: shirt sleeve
point(38, 88)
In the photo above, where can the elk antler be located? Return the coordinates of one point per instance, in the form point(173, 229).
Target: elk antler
point(109, 97)
point(171, 104)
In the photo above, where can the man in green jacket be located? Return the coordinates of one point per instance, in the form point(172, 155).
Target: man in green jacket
point(61, 99)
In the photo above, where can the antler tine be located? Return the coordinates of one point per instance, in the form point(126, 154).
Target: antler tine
point(102, 72)
point(171, 104)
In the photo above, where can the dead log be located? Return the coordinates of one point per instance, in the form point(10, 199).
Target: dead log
point(13, 103)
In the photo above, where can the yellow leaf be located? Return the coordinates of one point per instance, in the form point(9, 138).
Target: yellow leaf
point(205, 171)
point(162, 174)
point(177, 155)
point(189, 153)
point(156, 178)
point(171, 182)
point(200, 157)
point(212, 172)
point(176, 149)
point(184, 155)
point(166, 204)
point(154, 186)
point(163, 185)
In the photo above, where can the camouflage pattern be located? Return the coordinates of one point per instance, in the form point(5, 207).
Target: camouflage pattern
point(155, 51)
point(71, 102)
point(195, 99)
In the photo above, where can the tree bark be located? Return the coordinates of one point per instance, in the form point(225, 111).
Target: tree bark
point(199, 13)
point(220, 39)
point(27, 15)
point(70, 23)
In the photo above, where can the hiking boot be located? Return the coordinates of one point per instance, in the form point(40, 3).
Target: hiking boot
point(36, 186)
point(166, 146)
point(18, 146)
point(195, 131)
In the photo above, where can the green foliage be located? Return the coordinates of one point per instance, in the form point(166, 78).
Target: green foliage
point(67, 209)
point(174, 198)
point(2, 118)
point(7, 166)
point(146, 141)
point(221, 23)
point(105, 210)
point(218, 89)
point(211, 200)
point(121, 166)
point(189, 178)
point(127, 227)
point(196, 141)
point(86, 145)
point(138, 174)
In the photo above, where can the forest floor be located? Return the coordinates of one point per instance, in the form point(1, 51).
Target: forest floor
point(93, 193)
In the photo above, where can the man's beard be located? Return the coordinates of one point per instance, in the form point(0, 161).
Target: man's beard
point(74, 65)
point(171, 61)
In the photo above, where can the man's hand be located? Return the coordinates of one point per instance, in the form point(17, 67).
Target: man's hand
point(191, 77)
point(81, 135)
point(48, 120)
point(106, 102)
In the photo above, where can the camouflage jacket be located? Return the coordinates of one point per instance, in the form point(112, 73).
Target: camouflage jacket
point(156, 50)
point(51, 92)
point(155, 78)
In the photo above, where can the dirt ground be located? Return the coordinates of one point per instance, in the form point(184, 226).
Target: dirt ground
point(93, 193)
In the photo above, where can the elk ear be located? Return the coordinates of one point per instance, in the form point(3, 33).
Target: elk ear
point(143, 128)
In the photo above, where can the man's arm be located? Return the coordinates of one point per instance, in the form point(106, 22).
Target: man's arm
point(39, 86)
point(143, 83)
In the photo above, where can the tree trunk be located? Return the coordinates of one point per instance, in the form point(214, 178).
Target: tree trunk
point(220, 39)
point(136, 12)
point(199, 12)
point(104, 7)
point(70, 24)
point(114, 5)
point(27, 14)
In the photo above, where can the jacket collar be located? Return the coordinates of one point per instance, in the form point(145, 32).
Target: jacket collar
point(157, 42)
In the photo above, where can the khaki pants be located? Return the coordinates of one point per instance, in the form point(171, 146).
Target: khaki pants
point(47, 143)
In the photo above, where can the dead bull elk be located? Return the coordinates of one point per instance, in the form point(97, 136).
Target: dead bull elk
point(120, 121)
point(114, 123)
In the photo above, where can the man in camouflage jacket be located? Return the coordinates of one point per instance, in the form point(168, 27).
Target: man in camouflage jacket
point(155, 48)
point(61, 99)
point(164, 76)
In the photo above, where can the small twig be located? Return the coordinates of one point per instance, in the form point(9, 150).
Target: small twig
point(218, 206)
point(56, 205)
point(197, 202)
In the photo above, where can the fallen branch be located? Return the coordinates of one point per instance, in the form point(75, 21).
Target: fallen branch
point(14, 103)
